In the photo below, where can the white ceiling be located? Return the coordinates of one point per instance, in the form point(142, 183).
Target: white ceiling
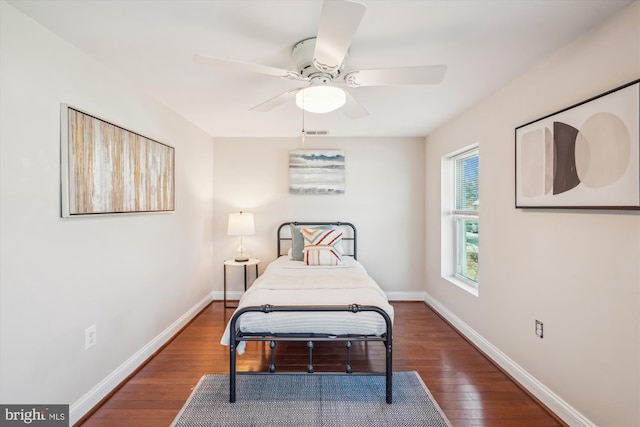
point(485, 44)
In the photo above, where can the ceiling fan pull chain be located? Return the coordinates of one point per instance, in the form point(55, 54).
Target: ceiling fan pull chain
point(303, 132)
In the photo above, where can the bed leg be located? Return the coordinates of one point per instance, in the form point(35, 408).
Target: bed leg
point(389, 372)
point(310, 366)
point(232, 371)
point(272, 367)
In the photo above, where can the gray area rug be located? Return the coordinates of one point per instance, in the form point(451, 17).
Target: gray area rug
point(311, 400)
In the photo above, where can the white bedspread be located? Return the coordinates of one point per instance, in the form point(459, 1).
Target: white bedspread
point(288, 282)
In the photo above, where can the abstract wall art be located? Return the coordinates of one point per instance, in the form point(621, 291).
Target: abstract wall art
point(585, 156)
point(316, 172)
point(106, 169)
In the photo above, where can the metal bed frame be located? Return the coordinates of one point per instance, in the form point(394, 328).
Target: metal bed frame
point(237, 336)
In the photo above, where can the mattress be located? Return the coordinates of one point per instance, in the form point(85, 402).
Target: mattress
point(292, 283)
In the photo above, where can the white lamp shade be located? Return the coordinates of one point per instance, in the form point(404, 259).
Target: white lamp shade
point(320, 98)
point(241, 224)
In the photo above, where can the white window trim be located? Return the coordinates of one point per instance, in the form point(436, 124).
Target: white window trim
point(465, 285)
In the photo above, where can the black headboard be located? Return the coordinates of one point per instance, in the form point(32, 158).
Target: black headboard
point(349, 236)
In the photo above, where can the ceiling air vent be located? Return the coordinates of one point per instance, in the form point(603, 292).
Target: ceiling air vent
point(317, 132)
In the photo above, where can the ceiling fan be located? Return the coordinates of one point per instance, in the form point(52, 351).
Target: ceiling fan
point(320, 62)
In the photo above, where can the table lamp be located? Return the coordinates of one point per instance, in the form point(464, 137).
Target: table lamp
point(241, 224)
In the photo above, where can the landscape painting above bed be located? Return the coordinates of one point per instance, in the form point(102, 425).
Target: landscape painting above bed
point(316, 172)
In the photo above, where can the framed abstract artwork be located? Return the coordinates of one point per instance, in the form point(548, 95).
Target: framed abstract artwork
point(586, 156)
point(316, 172)
point(106, 169)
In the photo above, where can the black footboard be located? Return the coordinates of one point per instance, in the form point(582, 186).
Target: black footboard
point(237, 336)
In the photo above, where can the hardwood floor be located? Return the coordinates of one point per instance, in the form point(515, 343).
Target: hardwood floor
point(467, 386)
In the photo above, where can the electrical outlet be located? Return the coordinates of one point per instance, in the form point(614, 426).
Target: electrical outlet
point(90, 336)
point(539, 329)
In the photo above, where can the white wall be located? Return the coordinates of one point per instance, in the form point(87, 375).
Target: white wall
point(576, 270)
point(135, 276)
point(384, 198)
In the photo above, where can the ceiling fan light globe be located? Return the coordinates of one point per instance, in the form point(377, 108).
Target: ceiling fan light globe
point(320, 99)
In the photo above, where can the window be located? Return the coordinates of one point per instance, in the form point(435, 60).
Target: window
point(465, 215)
point(460, 222)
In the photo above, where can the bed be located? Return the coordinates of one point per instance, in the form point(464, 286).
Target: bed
point(314, 291)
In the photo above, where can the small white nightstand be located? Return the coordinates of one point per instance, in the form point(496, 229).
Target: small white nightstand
point(234, 263)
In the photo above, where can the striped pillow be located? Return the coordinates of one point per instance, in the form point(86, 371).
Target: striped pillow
point(321, 247)
point(297, 241)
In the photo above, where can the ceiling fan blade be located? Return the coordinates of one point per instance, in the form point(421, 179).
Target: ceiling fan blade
point(276, 101)
point(243, 66)
point(338, 25)
point(352, 108)
point(425, 75)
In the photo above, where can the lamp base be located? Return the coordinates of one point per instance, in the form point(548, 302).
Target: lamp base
point(241, 254)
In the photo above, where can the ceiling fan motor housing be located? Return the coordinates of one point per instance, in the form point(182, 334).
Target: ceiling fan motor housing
point(302, 53)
